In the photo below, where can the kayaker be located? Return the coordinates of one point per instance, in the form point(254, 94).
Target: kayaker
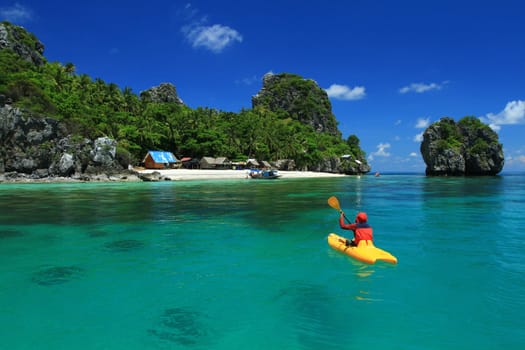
point(362, 230)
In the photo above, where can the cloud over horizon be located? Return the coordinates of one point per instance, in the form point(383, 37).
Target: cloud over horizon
point(344, 92)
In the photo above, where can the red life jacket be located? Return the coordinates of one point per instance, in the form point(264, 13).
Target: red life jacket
point(363, 231)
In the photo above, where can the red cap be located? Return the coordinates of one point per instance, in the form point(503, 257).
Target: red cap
point(361, 217)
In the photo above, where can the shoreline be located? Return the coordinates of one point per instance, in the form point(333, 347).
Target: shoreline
point(226, 174)
point(141, 174)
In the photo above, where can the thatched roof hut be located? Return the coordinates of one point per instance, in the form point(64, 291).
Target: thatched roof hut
point(252, 163)
point(207, 163)
point(265, 164)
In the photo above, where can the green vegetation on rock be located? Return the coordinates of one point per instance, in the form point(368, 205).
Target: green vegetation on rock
point(293, 122)
point(467, 147)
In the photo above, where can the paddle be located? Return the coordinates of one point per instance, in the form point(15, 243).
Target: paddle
point(334, 203)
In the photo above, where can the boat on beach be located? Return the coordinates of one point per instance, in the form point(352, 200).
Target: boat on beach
point(264, 174)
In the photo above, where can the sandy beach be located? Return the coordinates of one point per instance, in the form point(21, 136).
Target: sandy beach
point(165, 174)
point(205, 174)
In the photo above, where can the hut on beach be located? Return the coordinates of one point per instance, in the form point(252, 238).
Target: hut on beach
point(207, 163)
point(159, 160)
point(223, 163)
point(215, 163)
point(190, 163)
point(266, 164)
point(252, 163)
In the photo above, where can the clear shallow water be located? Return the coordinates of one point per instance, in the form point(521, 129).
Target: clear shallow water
point(245, 265)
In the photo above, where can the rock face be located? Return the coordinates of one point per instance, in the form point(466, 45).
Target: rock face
point(23, 43)
point(341, 166)
point(165, 92)
point(301, 98)
point(36, 148)
point(465, 148)
point(304, 101)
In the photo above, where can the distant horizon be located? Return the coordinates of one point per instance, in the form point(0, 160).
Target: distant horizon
point(502, 173)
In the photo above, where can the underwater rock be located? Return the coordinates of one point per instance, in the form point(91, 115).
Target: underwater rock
point(10, 234)
point(56, 275)
point(180, 325)
point(97, 233)
point(124, 245)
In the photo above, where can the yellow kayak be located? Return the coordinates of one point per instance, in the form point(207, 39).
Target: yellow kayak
point(366, 251)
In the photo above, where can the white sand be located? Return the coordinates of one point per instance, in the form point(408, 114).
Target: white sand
point(204, 174)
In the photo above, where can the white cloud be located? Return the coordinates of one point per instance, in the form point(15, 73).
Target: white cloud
point(513, 113)
point(343, 92)
point(518, 160)
point(16, 13)
point(381, 150)
point(422, 87)
point(413, 154)
point(214, 38)
point(419, 137)
point(422, 123)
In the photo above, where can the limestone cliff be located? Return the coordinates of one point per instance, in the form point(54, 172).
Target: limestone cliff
point(23, 43)
point(301, 98)
point(33, 147)
point(164, 93)
point(468, 147)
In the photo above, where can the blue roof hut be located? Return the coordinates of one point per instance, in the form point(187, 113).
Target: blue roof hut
point(159, 160)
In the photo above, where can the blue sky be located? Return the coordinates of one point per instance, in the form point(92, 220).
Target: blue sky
point(390, 67)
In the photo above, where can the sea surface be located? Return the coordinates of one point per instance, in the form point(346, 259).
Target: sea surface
point(244, 264)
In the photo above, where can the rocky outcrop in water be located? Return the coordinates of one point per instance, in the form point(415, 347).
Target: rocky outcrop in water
point(36, 148)
point(468, 147)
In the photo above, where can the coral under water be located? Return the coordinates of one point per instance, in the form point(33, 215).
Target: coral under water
point(124, 245)
point(180, 325)
point(56, 275)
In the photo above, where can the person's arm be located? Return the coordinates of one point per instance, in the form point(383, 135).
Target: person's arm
point(344, 225)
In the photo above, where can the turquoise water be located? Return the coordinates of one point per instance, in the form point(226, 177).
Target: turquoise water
point(245, 265)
